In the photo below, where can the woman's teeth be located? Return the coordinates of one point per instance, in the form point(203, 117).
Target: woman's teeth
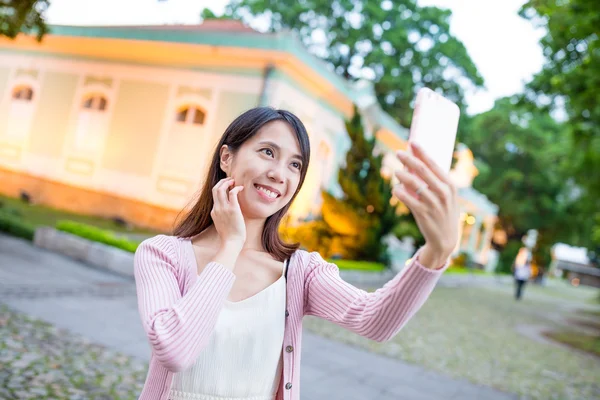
point(267, 191)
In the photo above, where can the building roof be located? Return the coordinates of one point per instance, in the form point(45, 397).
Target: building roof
point(223, 33)
point(209, 25)
point(231, 33)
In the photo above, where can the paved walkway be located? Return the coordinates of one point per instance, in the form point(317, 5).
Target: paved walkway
point(102, 307)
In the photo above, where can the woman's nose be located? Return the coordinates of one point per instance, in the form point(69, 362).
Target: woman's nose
point(276, 173)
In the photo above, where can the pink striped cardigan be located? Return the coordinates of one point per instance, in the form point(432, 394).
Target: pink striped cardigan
point(179, 308)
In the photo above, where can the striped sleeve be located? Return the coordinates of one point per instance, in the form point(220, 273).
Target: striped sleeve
point(378, 315)
point(177, 326)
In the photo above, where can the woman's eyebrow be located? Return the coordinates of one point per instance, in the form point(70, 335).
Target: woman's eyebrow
point(278, 148)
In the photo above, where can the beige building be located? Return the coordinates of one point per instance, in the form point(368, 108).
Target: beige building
point(121, 121)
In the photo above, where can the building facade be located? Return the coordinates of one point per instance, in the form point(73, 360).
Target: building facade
point(121, 121)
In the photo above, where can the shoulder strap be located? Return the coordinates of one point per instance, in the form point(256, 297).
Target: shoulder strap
point(286, 266)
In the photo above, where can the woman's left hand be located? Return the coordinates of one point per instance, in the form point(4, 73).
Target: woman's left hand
point(431, 197)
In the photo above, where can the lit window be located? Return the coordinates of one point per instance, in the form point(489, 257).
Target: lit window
point(95, 102)
point(24, 93)
point(190, 115)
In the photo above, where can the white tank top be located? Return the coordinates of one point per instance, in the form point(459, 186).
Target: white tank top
point(242, 360)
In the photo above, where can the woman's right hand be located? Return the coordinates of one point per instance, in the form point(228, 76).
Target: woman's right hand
point(227, 214)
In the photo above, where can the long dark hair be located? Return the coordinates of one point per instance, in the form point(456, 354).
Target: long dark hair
point(198, 218)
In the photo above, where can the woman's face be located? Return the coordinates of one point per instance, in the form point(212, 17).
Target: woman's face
point(269, 166)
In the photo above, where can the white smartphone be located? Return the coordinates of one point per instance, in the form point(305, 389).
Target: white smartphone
point(434, 126)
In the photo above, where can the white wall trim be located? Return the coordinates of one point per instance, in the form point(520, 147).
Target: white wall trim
point(146, 73)
point(6, 102)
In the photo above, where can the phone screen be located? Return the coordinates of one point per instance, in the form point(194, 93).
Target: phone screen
point(434, 126)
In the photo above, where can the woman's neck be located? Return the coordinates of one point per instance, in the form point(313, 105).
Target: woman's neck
point(254, 230)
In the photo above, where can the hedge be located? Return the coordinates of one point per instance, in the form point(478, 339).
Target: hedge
point(97, 235)
point(364, 266)
point(15, 226)
point(107, 237)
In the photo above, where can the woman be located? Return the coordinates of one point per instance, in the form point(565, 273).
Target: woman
point(222, 300)
point(522, 271)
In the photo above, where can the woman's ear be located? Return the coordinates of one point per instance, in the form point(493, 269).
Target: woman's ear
point(225, 159)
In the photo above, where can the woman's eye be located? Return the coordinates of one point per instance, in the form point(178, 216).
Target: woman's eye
point(268, 152)
point(297, 165)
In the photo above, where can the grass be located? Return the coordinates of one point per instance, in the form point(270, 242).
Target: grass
point(39, 215)
point(591, 313)
point(367, 266)
point(459, 270)
point(364, 266)
point(473, 333)
point(578, 340)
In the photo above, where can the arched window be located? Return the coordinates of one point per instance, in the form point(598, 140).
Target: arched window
point(188, 140)
point(20, 112)
point(95, 102)
point(24, 93)
point(190, 115)
point(92, 123)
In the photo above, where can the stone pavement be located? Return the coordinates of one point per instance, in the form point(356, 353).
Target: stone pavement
point(102, 307)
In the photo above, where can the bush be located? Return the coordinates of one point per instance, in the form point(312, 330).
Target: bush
point(312, 236)
point(463, 259)
point(508, 256)
point(15, 226)
point(97, 235)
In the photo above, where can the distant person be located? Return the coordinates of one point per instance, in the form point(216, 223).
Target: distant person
point(522, 272)
point(222, 299)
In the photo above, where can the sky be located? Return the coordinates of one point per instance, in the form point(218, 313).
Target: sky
point(503, 46)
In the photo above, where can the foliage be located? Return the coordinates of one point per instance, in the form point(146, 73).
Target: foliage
point(312, 236)
point(352, 227)
point(462, 259)
point(26, 16)
point(41, 215)
point(524, 159)
point(13, 225)
point(97, 235)
point(398, 45)
point(569, 81)
point(407, 226)
point(507, 256)
point(364, 215)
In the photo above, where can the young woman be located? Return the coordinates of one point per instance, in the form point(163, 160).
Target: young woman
point(222, 300)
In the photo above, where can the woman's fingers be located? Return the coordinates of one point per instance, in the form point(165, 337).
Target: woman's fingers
point(411, 181)
point(226, 214)
point(233, 195)
point(433, 166)
point(423, 171)
point(415, 206)
point(220, 192)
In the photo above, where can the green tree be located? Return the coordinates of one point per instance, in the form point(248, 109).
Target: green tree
point(397, 44)
point(569, 81)
point(523, 158)
point(27, 16)
point(364, 215)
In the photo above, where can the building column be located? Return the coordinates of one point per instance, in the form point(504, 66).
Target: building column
point(461, 229)
point(474, 235)
point(486, 241)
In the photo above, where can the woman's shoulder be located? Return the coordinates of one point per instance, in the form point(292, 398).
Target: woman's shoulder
point(309, 260)
point(162, 246)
